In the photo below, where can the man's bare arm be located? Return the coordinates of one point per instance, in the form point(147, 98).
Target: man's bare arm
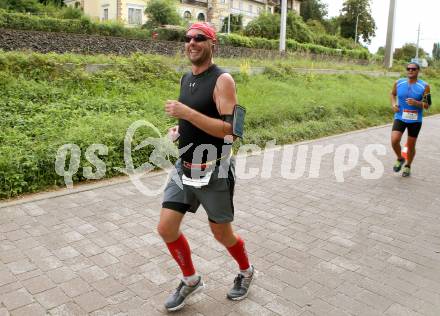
point(393, 98)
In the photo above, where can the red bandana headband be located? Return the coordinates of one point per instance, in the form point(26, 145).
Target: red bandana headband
point(207, 29)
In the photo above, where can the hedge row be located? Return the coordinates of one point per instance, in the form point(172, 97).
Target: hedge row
point(264, 43)
point(83, 25)
point(333, 41)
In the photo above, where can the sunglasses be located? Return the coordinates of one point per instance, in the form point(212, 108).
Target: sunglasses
point(197, 38)
point(411, 69)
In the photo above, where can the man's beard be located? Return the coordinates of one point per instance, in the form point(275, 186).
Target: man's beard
point(205, 56)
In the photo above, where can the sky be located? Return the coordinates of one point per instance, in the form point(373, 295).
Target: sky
point(409, 14)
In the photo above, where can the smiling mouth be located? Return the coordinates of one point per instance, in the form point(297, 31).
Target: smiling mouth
point(194, 52)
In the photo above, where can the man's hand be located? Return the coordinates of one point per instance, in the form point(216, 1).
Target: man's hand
point(178, 110)
point(173, 133)
point(395, 108)
point(414, 102)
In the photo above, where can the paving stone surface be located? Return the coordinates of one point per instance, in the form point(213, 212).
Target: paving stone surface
point(327, 238)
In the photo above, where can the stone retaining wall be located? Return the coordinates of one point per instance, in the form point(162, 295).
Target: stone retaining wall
point(45, 42)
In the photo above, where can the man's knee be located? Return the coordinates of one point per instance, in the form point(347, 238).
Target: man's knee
point(395, 140)
point(219, 235)
point(168, 232)
point(224, 236)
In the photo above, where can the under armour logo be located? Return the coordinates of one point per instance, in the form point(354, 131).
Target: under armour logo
point(192, 87)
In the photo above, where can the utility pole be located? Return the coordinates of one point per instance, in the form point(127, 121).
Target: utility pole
point(229, 16)
point(418, 44)
point(356, 32)
point(388, 62)
point(283, 26)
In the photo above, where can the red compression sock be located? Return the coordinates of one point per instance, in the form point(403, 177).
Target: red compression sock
point(181, 252)
point(238, 251)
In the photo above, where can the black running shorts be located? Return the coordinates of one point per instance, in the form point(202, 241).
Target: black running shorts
point(413, 128)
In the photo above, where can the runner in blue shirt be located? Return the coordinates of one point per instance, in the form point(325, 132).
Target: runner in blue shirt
point(409, 98)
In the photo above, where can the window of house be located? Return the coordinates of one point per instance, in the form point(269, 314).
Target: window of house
point(250, 8)
point(201, 17)
point(240, 6)
point(105, 14)
point(187, 15)
point(222, 1)
point(259, 10)
point(135, 16)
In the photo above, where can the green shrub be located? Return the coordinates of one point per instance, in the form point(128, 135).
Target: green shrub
point(81, 26)
point(268, 26)
point(296, 29)
point(236, 40)
point(236, 23)
point(32, 6)
point(265, 25)
point(175, 33)
point(162, 12)
point(291, 45)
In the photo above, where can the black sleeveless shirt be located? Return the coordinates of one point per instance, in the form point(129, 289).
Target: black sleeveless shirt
point(197, 92)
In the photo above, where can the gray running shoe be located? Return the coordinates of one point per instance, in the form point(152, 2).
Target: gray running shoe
point(176, 300)
point(241, 286)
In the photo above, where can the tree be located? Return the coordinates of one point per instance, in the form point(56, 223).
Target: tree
point(436, 51)
point(381, 51)
point(58, 3)
point(236, 23)
point(407, 52)
point(313, 10)
point(316, 27)
point(31, 6)
point(162, 12)
point(366, 26)
point(267, 25)
point(332, 25)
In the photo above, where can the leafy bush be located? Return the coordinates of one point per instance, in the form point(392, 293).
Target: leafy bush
point(236, 21)
point(291, 45)
point(69, 12)
point(267, 25)
point(236, 40)
point(333, 41)
point(296, 29)
point(32, 6)
point(162, 12)
point(174, 33)
point(316, 26)
point(81, 26)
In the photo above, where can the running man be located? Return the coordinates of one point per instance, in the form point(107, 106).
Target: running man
point(205, 171)
point(410, 96)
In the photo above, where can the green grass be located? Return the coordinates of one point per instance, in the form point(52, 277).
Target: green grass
point(44, 105)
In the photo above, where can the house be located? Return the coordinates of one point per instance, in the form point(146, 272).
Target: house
point(131, 12)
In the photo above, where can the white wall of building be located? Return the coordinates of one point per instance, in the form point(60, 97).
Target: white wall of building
point(194, 10)
point(135, 8)
point(110, 6)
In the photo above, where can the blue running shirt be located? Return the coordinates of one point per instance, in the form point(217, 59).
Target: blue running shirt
point(408, 113)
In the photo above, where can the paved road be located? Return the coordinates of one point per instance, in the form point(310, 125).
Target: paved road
point(260, 70)
point(322, 247)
